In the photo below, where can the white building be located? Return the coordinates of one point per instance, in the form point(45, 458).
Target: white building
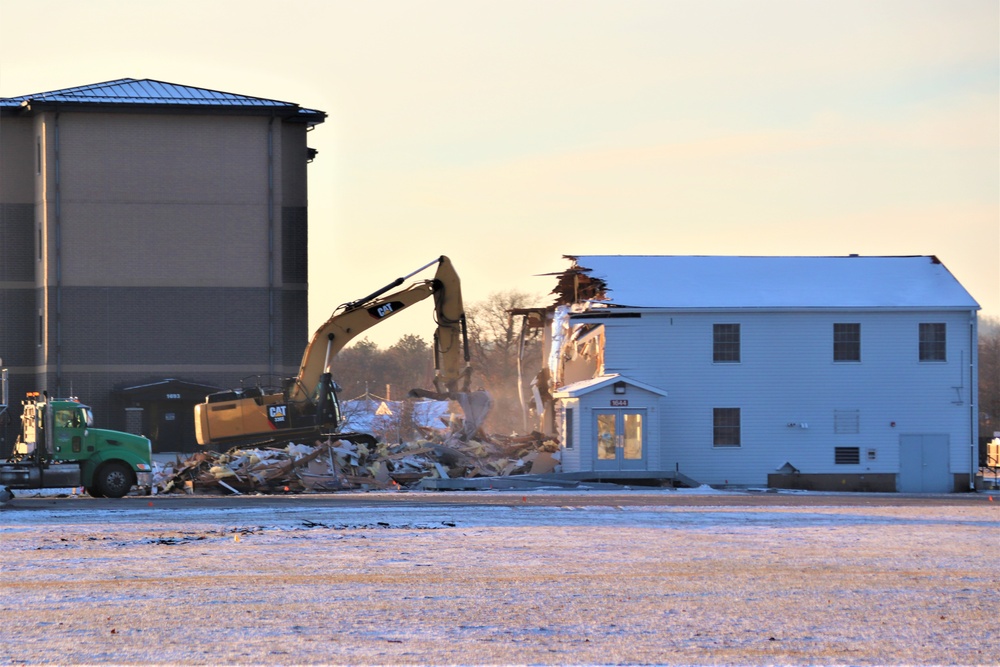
point(833, 373)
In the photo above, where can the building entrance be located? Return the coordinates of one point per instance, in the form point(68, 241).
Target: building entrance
point(621, 439)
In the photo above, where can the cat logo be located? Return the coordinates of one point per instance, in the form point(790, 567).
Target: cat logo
point(278, 415)
point(386, 309)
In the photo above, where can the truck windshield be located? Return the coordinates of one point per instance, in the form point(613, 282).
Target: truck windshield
point(86, 417)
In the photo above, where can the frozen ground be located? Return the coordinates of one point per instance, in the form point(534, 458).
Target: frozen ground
point(574, 583)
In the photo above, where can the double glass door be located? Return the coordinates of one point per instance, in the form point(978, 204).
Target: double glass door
point(620, 439)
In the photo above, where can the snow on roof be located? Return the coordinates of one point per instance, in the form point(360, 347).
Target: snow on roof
point(672, 281)
point(576, 389)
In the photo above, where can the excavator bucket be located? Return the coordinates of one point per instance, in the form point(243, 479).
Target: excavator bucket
point(476, 405)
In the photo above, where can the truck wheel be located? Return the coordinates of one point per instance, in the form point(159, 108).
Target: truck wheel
point(114, 479)
point(93, 492)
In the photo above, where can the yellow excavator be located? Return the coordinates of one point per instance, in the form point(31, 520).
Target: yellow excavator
point(307, 404)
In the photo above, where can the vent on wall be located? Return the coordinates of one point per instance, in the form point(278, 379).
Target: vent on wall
point(846, 455)
point(847, 421)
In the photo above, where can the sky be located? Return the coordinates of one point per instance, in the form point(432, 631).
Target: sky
point(506, 135)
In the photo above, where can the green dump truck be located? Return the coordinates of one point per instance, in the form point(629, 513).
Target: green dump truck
point(58, 447)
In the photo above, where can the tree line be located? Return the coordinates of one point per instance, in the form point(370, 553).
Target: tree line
point(989, 380)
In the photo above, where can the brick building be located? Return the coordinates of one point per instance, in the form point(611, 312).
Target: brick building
point(154, 247)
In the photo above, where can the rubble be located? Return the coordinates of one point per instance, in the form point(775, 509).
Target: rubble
point(337, 465)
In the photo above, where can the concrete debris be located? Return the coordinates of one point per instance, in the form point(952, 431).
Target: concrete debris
point(337, 465)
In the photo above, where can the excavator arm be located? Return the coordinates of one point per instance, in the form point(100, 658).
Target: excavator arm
point(451, 349)
point(308, 402)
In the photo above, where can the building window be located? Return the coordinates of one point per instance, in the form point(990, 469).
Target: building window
point(846, 455)
point(568, 436)
point(932, 341)
point(847, 342)
point(726, 427)
point(725, 343)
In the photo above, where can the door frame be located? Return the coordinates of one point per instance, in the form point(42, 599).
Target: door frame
point(925, 463)
point(620, 463)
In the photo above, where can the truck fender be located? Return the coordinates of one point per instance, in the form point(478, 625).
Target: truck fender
point(134, 462)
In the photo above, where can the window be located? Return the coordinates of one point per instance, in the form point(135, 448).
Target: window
point(846, 455)
point(726, 427)
point(932, 341)
point(847, 342)
point(725, 343)
point(568, 440)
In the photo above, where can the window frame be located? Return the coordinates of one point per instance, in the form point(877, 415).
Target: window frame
point(847, 350)
point(932, 348)
point(568, 418)
point(727, 348)
point(720, 427)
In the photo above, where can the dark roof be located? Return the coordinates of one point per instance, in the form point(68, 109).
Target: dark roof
point(157, 94)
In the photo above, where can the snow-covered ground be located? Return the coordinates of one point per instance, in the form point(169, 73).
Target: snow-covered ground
point(576, 582)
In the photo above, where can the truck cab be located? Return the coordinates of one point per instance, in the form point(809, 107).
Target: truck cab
point(59, 447)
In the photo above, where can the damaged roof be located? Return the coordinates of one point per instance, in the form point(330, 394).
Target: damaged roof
point(712, 282)
point(151, 93)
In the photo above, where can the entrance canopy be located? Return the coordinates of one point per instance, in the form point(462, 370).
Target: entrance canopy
point(167, 390)
point(577, 389)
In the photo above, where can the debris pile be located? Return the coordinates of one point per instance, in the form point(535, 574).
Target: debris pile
point(335, 465)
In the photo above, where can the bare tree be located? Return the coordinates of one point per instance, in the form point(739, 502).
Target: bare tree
point(989, 379)
point(495, 339)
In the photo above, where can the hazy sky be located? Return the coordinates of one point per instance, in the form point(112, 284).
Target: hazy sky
point(508, 134)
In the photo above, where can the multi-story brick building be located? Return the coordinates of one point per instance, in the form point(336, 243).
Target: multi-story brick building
point(154, 245)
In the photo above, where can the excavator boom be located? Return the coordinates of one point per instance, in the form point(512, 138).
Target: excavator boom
point(354, 318)
point(308, 403)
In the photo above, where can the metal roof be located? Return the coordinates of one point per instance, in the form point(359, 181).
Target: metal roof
point(149, 92)
point(734, 282)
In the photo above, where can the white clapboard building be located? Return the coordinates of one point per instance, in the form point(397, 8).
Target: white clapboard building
point(825, 373)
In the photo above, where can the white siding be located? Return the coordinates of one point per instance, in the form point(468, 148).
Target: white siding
point(571, 455)
point(787, 376)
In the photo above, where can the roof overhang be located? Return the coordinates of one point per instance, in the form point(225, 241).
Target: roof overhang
point(167, 389)
point(577, 389)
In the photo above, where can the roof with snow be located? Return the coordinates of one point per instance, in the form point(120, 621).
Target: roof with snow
point(711, 282)
point(577, 389)
point(150, 93)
